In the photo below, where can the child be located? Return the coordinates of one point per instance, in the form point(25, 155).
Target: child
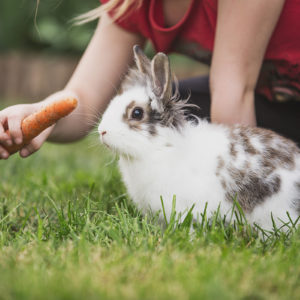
point(253, 48)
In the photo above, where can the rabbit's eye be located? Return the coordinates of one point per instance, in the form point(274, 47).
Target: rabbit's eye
point(137, 113)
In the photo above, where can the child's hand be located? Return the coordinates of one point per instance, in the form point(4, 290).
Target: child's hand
point(10, 119)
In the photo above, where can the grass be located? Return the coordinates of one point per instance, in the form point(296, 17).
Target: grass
point(69, 231)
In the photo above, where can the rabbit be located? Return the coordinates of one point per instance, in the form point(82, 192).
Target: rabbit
point(163, 152)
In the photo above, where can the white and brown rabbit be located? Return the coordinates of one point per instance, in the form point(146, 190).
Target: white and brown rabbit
point(165, 153)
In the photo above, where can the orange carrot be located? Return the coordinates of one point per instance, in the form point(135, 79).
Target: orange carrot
point(34, 124)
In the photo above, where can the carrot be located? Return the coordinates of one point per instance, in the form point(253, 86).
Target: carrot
point(34, 124)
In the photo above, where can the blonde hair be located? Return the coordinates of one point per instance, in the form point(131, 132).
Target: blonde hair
point(119, 7)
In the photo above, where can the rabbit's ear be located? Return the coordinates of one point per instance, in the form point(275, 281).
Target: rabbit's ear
point(162, 77)
point(142, 61)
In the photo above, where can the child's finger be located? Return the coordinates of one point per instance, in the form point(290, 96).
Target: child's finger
point(30, 149)
point(14, 126)
point(5, 139)
point(3, 153)
point(36, 143)
point(2, 121)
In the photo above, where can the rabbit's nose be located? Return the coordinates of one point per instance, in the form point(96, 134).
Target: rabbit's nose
point(103, 133)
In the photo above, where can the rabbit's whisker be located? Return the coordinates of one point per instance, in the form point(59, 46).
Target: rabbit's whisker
point(114, 158)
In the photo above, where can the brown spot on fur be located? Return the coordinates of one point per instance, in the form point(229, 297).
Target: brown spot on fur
point(220, 165)
point(239, 135)
point(152, 130)
point(251, 190)
point(153, 117)
point(237, 174)
point(267, 167)
point(223, 183)
point(277, 150)
point(126, 115)
point(247, 144)
point(253, 186)
point(233, 151)
point(266, 136)
point(136, 126)
point(283, 156)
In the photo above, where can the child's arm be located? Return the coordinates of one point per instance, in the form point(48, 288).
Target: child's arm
point(243, 32)
point(94, 82)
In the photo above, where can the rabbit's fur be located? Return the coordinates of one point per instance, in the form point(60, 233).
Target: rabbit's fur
point(165, 153)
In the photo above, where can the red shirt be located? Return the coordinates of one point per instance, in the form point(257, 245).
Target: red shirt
point(194, 35)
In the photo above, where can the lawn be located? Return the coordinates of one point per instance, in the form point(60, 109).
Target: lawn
point(69, 231)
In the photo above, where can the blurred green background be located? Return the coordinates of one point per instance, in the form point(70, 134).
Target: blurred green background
point(47, 27)
point(40, 46)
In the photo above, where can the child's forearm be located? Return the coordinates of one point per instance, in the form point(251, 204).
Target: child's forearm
point(233, 108)
point(242, 35)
